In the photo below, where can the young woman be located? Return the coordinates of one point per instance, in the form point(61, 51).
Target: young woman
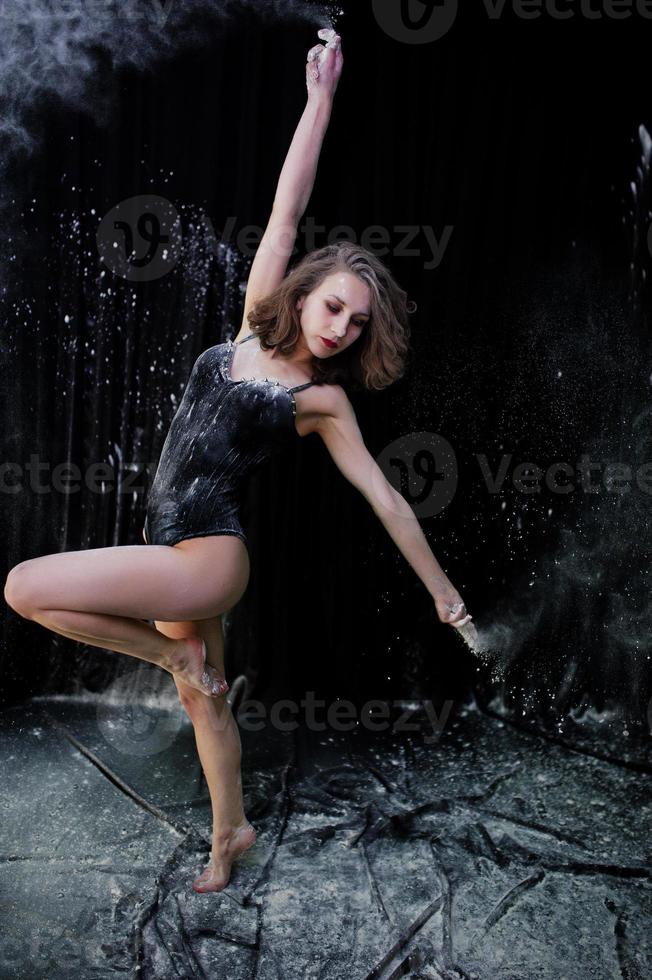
point(338, 316)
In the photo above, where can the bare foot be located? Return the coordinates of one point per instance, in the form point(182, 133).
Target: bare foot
point(188, 663)
point(226, 848)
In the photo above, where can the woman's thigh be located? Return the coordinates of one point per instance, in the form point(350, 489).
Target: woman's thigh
point(193, 580)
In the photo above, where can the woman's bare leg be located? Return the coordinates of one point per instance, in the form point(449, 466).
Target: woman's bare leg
point(220, 753)
point(102, 595)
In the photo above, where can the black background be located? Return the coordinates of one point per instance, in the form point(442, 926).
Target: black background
point(521, 135)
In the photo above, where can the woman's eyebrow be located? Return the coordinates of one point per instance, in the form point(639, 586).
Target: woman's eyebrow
point(359, 313)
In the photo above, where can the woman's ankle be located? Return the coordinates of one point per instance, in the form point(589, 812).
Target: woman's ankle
point(187, 662)
point(226, 829)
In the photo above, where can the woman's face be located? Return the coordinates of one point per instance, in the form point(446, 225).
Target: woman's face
point(337, 310)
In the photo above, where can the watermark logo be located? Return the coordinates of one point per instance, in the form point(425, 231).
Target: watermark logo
point(415, 21)
point(425, 21)
point(132, 718)
point(422, 467)
point(140, 238)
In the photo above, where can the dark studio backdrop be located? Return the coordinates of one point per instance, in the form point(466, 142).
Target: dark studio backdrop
point(518, 144)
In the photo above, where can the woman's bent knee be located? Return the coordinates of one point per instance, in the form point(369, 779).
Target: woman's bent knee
point(19, 591)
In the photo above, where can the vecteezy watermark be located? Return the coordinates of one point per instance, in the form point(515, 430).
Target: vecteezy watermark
point(425, 21)
point(560, 477)
point(420, 466)
point(141, 238)
point(132, 722)
point(41, 477)
point(342, 715)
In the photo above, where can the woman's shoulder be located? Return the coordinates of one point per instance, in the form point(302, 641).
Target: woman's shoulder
point(328, 398)
point(318, 403)
point(210, 354)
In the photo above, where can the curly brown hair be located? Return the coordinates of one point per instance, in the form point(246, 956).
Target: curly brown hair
point(378, 356)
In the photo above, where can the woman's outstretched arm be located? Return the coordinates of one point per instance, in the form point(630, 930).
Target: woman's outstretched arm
point(297, 177)
point(343, 439)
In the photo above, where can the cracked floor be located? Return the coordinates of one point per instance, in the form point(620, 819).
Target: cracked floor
point(489, 853)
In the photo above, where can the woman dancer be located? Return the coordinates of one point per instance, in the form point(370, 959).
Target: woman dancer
point(337, 316)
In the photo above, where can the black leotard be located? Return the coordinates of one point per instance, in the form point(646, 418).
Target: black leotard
point(222, 431)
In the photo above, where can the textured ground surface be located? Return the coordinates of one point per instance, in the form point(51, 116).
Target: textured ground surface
point(487, 853)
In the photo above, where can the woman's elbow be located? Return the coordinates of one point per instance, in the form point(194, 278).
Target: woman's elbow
point(385, 499)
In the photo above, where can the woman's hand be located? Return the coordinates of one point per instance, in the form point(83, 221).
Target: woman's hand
point(451, 609)
point(324, 66)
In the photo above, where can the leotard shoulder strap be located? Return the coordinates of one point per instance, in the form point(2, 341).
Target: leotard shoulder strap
point(301, 387)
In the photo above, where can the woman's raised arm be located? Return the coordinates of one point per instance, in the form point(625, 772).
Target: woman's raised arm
point(297, 178)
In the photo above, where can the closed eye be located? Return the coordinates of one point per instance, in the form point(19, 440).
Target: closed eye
point(334, 309)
